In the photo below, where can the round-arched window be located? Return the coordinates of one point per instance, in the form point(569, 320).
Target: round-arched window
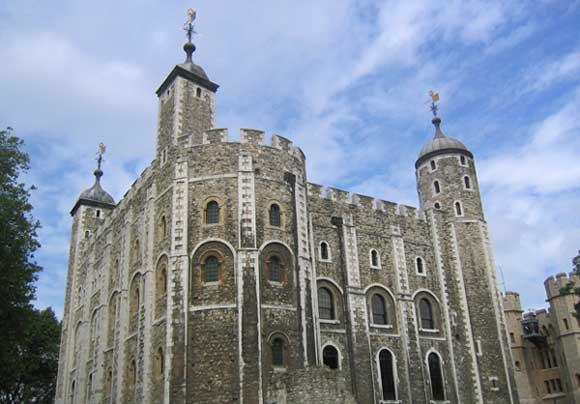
point(330, 357)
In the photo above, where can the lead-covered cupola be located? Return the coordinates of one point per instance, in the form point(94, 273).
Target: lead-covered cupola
point(95, 196)
point(441, 144)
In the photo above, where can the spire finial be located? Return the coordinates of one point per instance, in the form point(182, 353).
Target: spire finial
point(434, 100)
point(98, 172)
point(188, 27)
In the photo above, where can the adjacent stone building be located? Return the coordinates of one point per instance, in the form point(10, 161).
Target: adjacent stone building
point(223, 276)
point(546, 344)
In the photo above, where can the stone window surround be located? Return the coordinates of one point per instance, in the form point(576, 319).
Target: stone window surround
point(461, 212)
point(424, 273)
point(221, 207)
point(328, 249)
point(469, 181)
point(435, 309)
point(285, 349)
point(332, 344)
point(378, 266)
point(284, 269)
point(463, 161)
point(200, 265)
point(282, 215)
point(434, 187)
point(442, 368)
point(390, 308)
point(336, 294)
point(395, 376)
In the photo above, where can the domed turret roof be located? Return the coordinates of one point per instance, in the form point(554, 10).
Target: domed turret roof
point(96, 193)
point(441, 144)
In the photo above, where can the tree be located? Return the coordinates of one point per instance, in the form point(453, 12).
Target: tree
point(576, 263)
point(28, 338)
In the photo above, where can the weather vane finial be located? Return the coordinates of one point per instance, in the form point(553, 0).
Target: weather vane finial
point(100, 153)
point(188, 26)
point(434, 100)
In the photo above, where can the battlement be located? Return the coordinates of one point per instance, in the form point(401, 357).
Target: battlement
point(363, 201)
point(253, 137)
point(555, 286)
point(511, 301)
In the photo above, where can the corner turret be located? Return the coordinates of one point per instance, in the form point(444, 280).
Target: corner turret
point(447, 178)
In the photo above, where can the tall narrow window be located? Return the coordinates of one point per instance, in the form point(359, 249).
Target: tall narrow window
point(324, 253)
point(436, 187)
point(211, 269)
point(566, 324)
point(198, 92)
point(160, 362)
point(330, 357)
point(426, 313)
point(109, 385)
point(212, 213)
point(420, 268)
point(132, 372)
point(437, 390)
point(162, 281)
point(274, 215)
point(458, 209)
point(325, 304)
point(72, 392)
point(375, 262)
point(90, 387)
point(379, 310)
point(163, 227)
point(463, 161)
point(467, 182)
point(433, 165)
point(278, 351)
point(274, 269)
point(387, 375)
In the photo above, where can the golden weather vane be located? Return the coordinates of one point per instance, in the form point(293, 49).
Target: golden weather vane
point(188, 26)
point(434, 100)
point(100, 153)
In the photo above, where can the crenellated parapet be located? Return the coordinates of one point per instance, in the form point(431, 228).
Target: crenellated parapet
point(511, 302)
point(562, 284)
point(364, 202)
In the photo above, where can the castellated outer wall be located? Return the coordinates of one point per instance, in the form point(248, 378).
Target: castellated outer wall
point(143, 324)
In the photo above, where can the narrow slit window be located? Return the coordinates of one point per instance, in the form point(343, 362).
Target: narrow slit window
point(274, 214)
point(437, 187)
point(458, 209)
point(375, 262)
point(420, 268)
point(433, 165)
point(278, 352)
point(324, 253)
point(467, 182)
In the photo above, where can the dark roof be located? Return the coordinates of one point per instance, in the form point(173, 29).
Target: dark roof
point(191, 72)
point(441, 144)
point(94, 196)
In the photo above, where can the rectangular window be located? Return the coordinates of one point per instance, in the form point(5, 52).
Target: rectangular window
point(512, 338)
point(566, 324)
point(478, 347)
point(548, 389)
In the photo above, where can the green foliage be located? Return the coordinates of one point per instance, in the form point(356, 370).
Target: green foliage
point(29, 338)
point(29, 373)
point(576, 263)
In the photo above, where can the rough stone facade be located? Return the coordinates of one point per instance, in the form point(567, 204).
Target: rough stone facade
point(224, 276)
point(545, 344)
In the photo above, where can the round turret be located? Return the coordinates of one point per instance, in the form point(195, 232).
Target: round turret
point(447, 178)
point(95, 195)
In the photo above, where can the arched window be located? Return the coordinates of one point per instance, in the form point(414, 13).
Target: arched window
point(160, 362)
point(467, 182)
point(198, 92)
point(163, 227)
point(330, 357)
point(135, 297)
point(433, 165)
point(420, 267)
point(136, 250)
point(89, 387)
point(112, 320)
point(274, 215)
point(387, 374)
point(324, 251)
point(132, 372)
point(458, 209)
point(109, 382)
point(437, 390)
point(162, 281)
point(325, 304)
point(274, 269)
point(426, 313)
point(211, 269)
point(277, 351)
point(212, 213)
point(375, 260)
point(379, 310)
point(72, 391)
point(436, 187)
point(115, 273)
point(462, 160)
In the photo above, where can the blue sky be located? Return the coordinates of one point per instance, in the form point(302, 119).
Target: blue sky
point(345, 80)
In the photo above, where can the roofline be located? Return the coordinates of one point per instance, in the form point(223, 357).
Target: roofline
point(89, 202)
point(186, 74)
point(432, 154)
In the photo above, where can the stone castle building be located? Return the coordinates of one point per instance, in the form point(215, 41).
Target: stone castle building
point(223, 276)
point(546, 344)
